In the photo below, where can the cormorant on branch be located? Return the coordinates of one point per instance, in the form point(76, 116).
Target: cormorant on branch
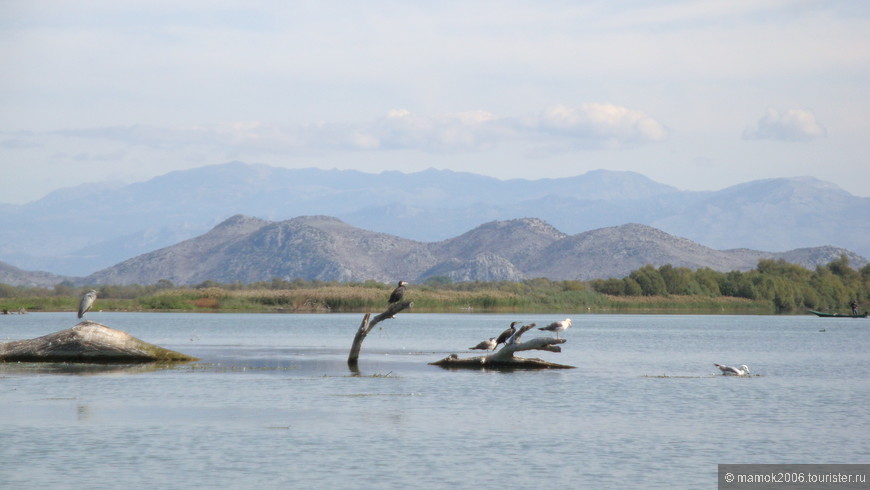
point(502, 338)
point(398, 293)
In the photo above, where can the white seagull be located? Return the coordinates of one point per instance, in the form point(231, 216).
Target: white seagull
point(733, 371)
point(557, 327)
point(485, 345)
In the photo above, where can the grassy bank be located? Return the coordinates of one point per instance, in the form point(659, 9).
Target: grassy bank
point(355, 298)
point(773, 287)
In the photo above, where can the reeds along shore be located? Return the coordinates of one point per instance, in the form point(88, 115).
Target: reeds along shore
point(338, 299)
point(773, 287)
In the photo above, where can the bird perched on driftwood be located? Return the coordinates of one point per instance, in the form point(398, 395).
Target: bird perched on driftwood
point(488, 344)
point(502, 338)
point(557, 327)
point(733, 371)
point(398, 293)
point(515, 338)
point(86, 302)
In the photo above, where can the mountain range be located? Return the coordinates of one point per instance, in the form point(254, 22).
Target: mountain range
point(247, 249)
point(79, 230)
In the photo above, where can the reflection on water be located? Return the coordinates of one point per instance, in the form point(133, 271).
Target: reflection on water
point(83, 413)
point(80, 368)
point(273, 404)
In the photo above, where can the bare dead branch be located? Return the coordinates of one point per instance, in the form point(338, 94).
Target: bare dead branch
point(366, 326)
point(504, 358)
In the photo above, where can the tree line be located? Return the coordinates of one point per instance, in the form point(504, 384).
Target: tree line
point(788, 287)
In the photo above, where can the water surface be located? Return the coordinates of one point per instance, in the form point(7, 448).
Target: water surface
point(272, 403)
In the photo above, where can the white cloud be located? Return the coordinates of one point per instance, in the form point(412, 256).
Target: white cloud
point(589, 126)
point(157, 81)
point(599, 125)
point(464, 131)
point(791, 125)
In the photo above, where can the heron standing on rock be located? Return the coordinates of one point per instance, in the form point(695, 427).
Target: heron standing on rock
point(87, 301)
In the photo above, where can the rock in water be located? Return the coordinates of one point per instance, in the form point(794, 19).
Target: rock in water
point(88, 342)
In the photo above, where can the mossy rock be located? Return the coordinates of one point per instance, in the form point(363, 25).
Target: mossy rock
point(88, 342)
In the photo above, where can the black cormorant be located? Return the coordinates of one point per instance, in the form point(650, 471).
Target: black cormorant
point(398, 292)
point(502, 338)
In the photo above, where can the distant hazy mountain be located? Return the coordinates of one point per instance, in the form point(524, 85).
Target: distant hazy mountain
point(80, 230)
point(782, 214)
point(17, 277)
point(248, 249)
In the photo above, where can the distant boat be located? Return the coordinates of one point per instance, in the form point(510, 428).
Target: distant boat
point(837, 315)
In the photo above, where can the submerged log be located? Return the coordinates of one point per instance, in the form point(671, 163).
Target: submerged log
point(504, 358)
point(367, 326)
point(89, 342)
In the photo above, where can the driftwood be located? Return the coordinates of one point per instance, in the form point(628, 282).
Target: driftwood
point(88, 342)
point(504, 358)
point(367, 326)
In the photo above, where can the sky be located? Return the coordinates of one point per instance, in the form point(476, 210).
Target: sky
point(697, 94)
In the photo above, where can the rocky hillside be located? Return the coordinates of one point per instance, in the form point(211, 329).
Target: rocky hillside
point(188, 262)
point(248, 249)
point(77, 231)
point(616, 251)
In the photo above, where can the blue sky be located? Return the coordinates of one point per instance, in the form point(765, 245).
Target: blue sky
point(696, 94)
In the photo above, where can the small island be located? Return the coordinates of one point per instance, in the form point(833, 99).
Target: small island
point(88, 342)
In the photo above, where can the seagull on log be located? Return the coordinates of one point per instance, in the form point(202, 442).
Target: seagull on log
point(86, 302)
point(733, 371)
point(398, 293)
point(502, 338)
point(485, 345)
point(557, 327)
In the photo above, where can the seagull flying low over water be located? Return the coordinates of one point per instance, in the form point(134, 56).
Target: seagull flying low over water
point(733, 371)
point(557, 327)
point(87, 301)
point(502, 338)
point(485, 345)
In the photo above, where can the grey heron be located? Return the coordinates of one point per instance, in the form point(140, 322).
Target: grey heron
point(87, 302)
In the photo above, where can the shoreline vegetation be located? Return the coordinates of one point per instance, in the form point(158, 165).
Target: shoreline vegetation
point(774, 287)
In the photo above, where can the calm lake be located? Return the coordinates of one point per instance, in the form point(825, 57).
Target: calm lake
point(272, 403)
